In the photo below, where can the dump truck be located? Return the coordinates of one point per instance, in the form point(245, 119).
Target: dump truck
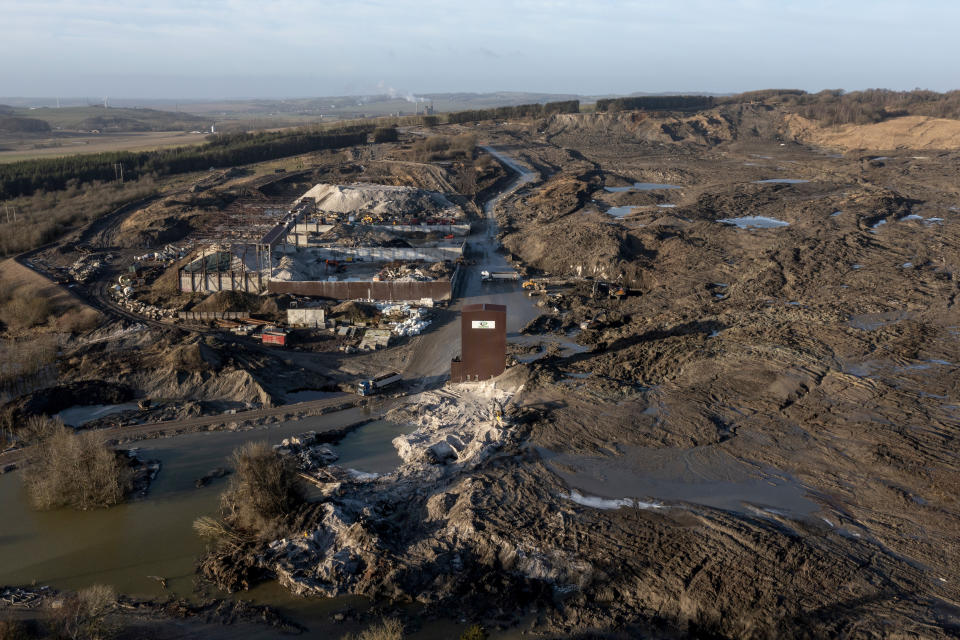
point(490, 276)
point(373, 385)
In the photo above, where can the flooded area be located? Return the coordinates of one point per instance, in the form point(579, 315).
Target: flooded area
point(80, 415)
point(644, 477)
point(567, 347)
point(755, 222)
point(370, 449)
point(124, 545)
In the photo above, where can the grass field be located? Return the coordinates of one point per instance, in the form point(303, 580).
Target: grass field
point(23, 148)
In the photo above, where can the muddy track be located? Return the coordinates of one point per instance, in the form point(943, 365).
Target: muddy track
point(173, 427)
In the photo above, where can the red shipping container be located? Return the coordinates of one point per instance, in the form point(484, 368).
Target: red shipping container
point(277, 338)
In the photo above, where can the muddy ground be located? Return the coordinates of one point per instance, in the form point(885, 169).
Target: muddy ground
point(822, 354)
point(759, 440)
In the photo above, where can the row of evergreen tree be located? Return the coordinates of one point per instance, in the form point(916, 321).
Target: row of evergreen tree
point(52, 174)
point(516, 111)
point(656, 103)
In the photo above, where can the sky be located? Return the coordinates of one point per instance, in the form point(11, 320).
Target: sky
point(211, 49)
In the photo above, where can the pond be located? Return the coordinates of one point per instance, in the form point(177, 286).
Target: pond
point(79, 415)
point(370, 449)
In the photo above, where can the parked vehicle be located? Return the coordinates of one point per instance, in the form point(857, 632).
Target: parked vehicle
point(373, 385)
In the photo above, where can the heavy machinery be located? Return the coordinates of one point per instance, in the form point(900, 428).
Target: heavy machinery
point(534, 285)
point(490, 276)
point(373, 385)
point(612, 289)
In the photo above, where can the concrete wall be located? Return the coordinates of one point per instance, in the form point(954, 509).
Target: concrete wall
point(306, 317)
point(345, 290)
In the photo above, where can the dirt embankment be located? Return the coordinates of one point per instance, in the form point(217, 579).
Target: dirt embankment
point(907, 132)
point(790, 356)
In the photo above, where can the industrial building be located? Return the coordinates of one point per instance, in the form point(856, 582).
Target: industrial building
point(374, 242)
point(483, 343)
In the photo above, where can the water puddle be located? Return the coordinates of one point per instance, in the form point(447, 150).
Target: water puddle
point(567, 347)
point(596, 502)
point(642, 186)
point(877, 226)
point(369, 449)
point(874, 321)
point(835, 214)
point(755, 222)
point(700, 475)
point(667, 206)
point(309, 395)
point(781, 181)
point(78, 416)
point(619, 212)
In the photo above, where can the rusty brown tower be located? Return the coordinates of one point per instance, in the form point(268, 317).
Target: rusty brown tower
point(483, 343)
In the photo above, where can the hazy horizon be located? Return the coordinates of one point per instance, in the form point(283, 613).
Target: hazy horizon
point(238, 49)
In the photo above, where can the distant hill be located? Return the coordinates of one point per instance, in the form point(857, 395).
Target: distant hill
point(111, 119)
point(12, 124)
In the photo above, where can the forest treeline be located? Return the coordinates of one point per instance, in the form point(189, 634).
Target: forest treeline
point(52, 174)
point(27, 177)
point(836, 107)
point(516, 111)
point(656, 103)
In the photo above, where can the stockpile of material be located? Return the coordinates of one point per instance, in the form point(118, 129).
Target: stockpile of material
point(414, 325)
point(414, 271)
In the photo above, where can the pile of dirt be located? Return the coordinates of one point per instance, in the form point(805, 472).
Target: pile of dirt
point(589, 247)
point(381, 199)
point(355, 311)
point(356, 236)
point(172, 365)
point(701, 129)
point(907, 132)
point(557, 198)
point(230, 301)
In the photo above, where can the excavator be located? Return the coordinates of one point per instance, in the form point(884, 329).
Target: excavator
point(534, 285)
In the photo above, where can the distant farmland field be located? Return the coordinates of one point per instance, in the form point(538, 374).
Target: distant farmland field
point(12, 150)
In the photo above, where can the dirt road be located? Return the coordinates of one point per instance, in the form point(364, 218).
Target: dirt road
point(173, 427)
point(430, 360)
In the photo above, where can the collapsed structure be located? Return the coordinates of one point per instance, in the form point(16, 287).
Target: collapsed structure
point(367, 241)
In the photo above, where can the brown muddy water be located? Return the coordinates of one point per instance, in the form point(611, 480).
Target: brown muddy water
point(127, 545)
